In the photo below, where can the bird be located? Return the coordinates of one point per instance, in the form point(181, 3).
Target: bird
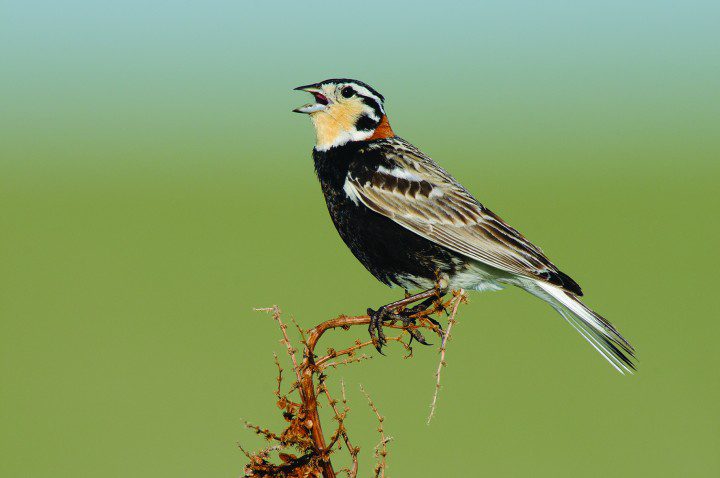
point(413, 225)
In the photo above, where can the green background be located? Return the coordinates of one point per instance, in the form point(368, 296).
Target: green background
point(154, 187)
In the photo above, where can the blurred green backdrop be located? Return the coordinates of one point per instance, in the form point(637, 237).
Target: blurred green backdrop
point(154, 187)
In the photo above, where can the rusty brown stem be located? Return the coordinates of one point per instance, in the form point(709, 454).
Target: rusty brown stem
point(304, 417)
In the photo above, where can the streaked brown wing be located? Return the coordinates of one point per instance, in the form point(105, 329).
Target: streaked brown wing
point(425, 199)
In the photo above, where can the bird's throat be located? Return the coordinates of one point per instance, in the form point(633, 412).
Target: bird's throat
point(338, 129)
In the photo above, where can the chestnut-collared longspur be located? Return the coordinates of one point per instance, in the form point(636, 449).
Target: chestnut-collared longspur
point(411, 224)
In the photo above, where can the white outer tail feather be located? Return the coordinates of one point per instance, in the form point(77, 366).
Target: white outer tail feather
point(596, 330)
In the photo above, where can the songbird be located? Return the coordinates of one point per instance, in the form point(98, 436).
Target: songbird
point(411, 224)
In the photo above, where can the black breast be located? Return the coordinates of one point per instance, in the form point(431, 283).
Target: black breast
point(390, 252)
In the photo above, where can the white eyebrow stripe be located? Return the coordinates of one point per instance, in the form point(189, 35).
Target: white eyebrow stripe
point(365, 92)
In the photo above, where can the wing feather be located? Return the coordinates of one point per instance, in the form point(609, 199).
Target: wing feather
point(422, 197)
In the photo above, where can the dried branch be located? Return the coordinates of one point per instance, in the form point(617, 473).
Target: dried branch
point(346, 361)
point(458, 297)
point(286, 340)
point(264, 432)
point(300, 331)
point(381, 448)
point(279, 377)
point(304, 430)
point(350, 351)
point(342, 431)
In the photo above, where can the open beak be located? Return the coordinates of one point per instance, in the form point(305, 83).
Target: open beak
point(321, 101)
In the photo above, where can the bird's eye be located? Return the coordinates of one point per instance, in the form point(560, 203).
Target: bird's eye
point(347, 92)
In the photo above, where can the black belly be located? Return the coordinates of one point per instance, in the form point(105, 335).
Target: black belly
point(393, 254)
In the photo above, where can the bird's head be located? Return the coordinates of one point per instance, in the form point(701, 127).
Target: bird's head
point(345, 110)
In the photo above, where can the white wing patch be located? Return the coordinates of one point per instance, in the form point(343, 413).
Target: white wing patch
point(399, 173)
point(350, 191)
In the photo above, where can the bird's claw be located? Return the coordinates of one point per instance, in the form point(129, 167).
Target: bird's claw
point(425, 305)
point(436, 323)
point(378, 317)
point(407, 322)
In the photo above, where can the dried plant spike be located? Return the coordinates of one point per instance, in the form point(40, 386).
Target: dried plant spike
point(458, 297)
point(263, 431)
point(245, 452)
point(279, 377)
point(350, 351)
point(341, 430)
point(300, 331)
point(346, 361)
point(286, 340)
point(381, 448)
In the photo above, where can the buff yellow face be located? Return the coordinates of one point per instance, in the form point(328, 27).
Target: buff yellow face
point(344, 111)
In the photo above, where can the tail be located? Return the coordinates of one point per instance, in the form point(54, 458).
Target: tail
point(594, 328)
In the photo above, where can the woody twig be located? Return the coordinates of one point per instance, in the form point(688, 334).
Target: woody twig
point(304, 437)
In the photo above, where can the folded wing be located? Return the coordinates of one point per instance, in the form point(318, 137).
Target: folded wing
point(420, 196)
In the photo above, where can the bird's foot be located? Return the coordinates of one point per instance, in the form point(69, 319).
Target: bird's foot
point(431, 302)
point(382, 315)
point(409, 325)
point(429, 306)
point(377, 317)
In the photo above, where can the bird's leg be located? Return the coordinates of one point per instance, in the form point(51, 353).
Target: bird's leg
point(385, 314)
point(396, 311)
